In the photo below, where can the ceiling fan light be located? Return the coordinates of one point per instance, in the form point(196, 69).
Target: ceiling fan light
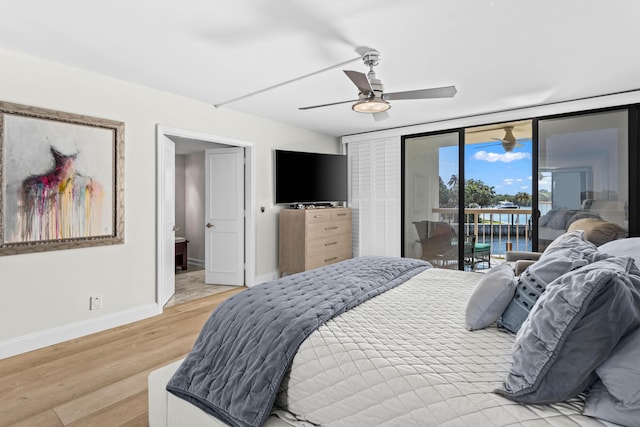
point(372, 105)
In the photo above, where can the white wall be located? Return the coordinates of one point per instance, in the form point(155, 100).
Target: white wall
point(194, 207)
point(179, 199)
point(45, 296)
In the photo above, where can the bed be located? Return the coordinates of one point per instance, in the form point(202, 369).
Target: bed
point(425, 351)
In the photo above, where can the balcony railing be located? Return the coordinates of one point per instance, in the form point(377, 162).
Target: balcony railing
point(504, 229)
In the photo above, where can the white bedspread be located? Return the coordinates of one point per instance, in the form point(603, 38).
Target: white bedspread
point(405, 358)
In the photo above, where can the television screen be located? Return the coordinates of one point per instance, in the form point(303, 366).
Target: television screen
point(310, 177)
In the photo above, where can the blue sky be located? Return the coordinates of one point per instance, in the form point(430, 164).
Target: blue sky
point(508, 173)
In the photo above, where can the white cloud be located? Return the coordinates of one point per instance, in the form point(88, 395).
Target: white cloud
point(524, 187)
point(530, 178)
point(508, 181)
point(497, 157)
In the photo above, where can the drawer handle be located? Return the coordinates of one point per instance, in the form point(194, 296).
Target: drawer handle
point(318, 216)
point(331, 259)
point(341, 214)
point(331, 244)
point(330, 228)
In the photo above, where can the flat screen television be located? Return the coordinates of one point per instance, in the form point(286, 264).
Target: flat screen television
point(310, 177)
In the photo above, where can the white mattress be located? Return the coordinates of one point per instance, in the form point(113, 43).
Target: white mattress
point(403, 358)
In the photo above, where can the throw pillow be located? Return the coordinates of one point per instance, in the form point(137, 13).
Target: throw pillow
point(603, 405)
point(567, 253)
point(598, 231)
point(572, 329)
point(623, 247)
point(490, 297)
point(620, 373)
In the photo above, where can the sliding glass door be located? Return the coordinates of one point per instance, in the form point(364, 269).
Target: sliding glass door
point(431, 198)
point(522, 184)
point(583, 171)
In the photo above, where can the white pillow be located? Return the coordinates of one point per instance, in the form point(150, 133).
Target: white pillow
point(623, 247)
point(490, 297)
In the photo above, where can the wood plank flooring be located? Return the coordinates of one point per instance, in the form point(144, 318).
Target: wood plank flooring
point(100, 379)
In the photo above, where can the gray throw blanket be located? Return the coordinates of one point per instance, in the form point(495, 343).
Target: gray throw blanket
point(245, 348)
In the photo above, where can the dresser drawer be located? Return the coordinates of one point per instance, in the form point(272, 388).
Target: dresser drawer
point(328, 245)
point(318, 215)
point(326, 259)
point(341, 214)
point(324, 229)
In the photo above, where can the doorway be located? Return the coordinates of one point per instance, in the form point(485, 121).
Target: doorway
point(172, 142)
point(498, 190)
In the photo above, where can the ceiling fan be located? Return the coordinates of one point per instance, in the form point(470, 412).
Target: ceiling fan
point(509, 141)
point(372, 98)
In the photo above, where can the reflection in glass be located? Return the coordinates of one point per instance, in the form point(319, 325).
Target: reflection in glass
point(583, 172)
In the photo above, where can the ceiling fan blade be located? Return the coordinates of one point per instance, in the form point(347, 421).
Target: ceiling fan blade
point(360, 80)
point(361, 50)
point(327, 105)
point(486, 145)
point(383, 115)
point(436, 92)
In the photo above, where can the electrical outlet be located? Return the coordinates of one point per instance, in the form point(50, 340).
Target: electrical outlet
point(95, 302)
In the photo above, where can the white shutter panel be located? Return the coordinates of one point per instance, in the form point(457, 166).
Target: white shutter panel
point(374, 196)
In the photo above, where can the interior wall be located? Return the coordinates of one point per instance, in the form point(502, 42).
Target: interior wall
point(46, 295)
point(179, 199)
point(194, 207)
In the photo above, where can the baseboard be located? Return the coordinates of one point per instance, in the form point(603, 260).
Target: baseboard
point(265, 278)
point(37, 340)
point(198, 262)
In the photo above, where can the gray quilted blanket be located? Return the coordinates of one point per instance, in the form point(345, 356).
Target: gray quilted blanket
point(245, 348)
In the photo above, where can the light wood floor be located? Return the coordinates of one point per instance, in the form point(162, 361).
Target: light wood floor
point(100, 379)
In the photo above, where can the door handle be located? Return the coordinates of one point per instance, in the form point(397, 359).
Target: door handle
point(209, 225)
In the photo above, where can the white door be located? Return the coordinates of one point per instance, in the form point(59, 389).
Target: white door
point(167, 178)
point(224, 216)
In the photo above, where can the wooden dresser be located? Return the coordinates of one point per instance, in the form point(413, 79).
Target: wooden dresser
point(311, 238)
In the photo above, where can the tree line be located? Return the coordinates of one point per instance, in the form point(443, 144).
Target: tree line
point(478, 194)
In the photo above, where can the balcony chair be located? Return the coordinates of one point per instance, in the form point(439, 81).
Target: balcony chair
point(439, 243)
point(476, 253)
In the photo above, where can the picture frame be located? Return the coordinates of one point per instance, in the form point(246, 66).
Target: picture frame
point(61, 180)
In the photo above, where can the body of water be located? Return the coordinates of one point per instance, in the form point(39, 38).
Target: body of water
point(515, 217)
point(499, 245)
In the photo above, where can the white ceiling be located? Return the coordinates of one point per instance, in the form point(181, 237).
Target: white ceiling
point(500, 54)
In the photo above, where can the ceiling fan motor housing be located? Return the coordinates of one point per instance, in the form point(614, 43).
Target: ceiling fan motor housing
point(371, 58)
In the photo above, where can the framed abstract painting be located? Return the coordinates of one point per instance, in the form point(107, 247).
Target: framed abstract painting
point(61, 180)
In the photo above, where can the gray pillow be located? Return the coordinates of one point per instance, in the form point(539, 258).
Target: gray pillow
point(571, 330)
point(567, 253)
point(617, 397)
point(603, 405)
point(490, 297)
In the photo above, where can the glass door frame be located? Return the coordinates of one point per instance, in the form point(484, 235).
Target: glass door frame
point(633, 111)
